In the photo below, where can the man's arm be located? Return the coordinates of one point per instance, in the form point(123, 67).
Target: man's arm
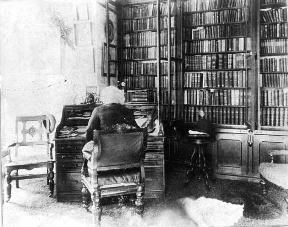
point(94, 123)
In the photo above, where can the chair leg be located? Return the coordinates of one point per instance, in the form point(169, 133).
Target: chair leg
point(51, 178)
point(263, 187)
point(121, 200)
point(17, 181)
point(85, 197)
point(139, 199)
point(8, 186)
point(96, 207)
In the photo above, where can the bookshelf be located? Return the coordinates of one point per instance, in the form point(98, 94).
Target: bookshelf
point(147, 53)
point(273, 65)
point(217, 41)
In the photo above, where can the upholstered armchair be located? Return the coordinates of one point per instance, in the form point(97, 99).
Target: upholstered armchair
point(275, 174)
point(114, 169)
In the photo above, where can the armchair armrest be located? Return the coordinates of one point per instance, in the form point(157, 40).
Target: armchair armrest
point(6, 151)
point(273, 153)
point(278, 152)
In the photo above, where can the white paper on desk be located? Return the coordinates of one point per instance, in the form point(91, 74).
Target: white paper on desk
point(192, 132)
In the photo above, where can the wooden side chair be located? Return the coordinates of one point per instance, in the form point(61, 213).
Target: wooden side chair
point(115, 169)
point(32, 150)
point(275, 174)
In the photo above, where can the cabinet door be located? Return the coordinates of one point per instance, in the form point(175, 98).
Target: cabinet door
point(230, 153)
point(265, 141)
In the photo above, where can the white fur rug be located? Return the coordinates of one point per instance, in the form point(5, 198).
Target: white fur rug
point(212, 212)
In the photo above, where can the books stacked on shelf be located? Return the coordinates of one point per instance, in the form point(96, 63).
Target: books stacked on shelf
point(139, 53)
point(215, 31)
point(204, 5)
point(274, 63)
point(146, 10)
point(218, 115)
point(276, 46)
point(216, 46)
point(275, 80)
point(279, 30)
point(268, 2)
point(274, 15)
point(146, 38)
point(274, 116)
point(149, 23)
point(274, 97)
point(214, 97)
point(141, 96)
point(223, 79)
point(239, 15)
point(216, 61)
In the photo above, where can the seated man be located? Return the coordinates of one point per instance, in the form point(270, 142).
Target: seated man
point(112, 115)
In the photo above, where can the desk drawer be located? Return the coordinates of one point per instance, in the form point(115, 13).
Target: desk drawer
point(64, 157)
point(154, 179)
point(154, 159)
point(68, 182)
point(71, 147)
point(69, 166)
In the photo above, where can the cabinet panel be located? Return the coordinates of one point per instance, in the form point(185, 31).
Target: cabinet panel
point(265, 141)
point(230, 153)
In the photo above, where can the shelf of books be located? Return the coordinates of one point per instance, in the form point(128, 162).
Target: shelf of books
point(138, 51)
point(273, 65)
point(216, 46)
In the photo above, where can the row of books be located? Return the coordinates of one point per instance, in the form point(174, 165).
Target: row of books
point(147, 10)
point(274, 30)
point(146, 95)
point(275, 97)
point(274, 117)
point(217, 45)
point(274, 64)
point(216, 31)
point(144, 68)
point(145, 24)
point(216, 17)
point(202, 5)
point(142, 82)
point(217, 115)
point(231, 97)
point(146, 53)
point(148, 38)
point(273, 15)
point(225, 79)
point(266, 2)
point(216, 61)
point(275, 80)
point(279, 46)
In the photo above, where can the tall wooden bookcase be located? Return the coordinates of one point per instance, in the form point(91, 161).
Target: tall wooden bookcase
point(149, 53)
point(230, 60)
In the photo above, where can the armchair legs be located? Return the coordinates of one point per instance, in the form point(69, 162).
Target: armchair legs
point(96, 207)
point(263, 186)
point(139, 199)
point(50, 177)
point(85, 197)
point(8, 180)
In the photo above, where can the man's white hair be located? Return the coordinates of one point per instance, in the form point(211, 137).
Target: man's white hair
point(112, 94)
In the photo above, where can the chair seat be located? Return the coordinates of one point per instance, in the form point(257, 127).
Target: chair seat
point(115, 177)
point(36, 162)
point(276, 173)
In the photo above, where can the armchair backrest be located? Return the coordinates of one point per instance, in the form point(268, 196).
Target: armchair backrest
point(119, 150)
point(31, 131)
